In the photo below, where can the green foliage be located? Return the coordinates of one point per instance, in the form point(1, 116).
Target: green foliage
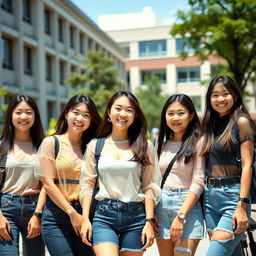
point(3, 107)
point(225, 28)
point(52, 125)
point(151, 100)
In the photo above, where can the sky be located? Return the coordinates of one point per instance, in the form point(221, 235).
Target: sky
point(165, 9)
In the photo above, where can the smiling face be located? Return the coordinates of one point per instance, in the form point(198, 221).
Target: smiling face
point(178, 118)
point(221, 99)
point(122, 113)
point(78, 118)
point(23, 117)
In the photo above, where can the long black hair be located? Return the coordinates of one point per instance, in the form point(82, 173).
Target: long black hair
point(211, 115)
point(192, 134)
point(136, 132)
point(90, 132)
point(36, 131)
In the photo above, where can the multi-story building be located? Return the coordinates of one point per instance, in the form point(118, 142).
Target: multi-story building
point(40, 43)
point(151, 49)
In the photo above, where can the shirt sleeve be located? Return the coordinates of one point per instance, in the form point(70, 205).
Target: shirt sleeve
point(197, 183)
point(245, 130)
point(46, 158)
point(88, 174)
point(151, 176)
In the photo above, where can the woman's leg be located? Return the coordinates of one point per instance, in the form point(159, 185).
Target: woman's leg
point(186, 247)
point(106, 249)
point(165, 247)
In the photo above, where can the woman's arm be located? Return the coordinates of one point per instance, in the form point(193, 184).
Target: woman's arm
point(5, 228)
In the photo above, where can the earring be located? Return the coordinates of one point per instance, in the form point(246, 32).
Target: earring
point(109, 119)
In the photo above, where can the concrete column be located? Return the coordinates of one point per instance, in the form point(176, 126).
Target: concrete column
point(134, 78)
point(171, 78)
point(134, 50)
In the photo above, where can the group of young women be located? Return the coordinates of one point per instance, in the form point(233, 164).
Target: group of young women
point(49, 183)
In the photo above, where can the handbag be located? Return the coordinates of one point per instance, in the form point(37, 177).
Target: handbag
point(169, 167)
point(99, 145)
point(2, 170)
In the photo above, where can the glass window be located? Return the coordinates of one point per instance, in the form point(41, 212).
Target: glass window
point(161, 74)
point(186, 75)
point(48, 68)
point(126, 48)
point(27, 61)
point(71, 37)
point(81, 42)
point(7, 53)
point(183, 44)
point(60, 29)
point(26, 11)
point(62, 72)
point(47, 21)
point(7, 5)
point(152, 48)
point(197, 102)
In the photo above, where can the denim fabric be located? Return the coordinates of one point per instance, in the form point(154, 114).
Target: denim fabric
point(166, 211)
point(120, 223)
point(58, 232)
point(18, 210)
point(219, 206)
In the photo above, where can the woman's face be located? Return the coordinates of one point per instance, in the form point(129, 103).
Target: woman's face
point(23, 116)
point(178, 118)
point(122, 113)
point(221, 99)
point(78, 118)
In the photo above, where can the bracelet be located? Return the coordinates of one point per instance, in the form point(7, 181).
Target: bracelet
point(38, 214)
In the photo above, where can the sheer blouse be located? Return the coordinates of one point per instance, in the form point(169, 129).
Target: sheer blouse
point(190, 175)
point(65, 169)
point(221, 162)
point(120, 179)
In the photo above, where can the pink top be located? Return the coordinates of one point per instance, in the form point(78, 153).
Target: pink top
point(190, 175)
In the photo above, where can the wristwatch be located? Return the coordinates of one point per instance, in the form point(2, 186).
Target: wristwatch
point(244, 200)
point(38, 214)
point(181, 215)
point(152, 220)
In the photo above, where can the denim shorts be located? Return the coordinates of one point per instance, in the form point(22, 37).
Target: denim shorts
point(119, 223)
point(166, 211)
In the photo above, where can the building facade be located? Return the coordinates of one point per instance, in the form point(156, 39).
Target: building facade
point(40, 43)
point(150, 49)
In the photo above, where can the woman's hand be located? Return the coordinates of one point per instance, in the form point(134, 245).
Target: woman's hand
point(5, 228)
point(86, 232)
point(34, 227)
point(176, 229)
point(76, 220)
point(240, 220)
point(148, 235)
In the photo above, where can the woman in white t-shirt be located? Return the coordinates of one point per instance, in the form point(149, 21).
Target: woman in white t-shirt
point(21, 201)
point(129, 177)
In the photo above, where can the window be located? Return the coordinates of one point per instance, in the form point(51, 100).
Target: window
point(197, 102)
point(62, 72)
point(71, 37)
point(81, 42)
point(7, 48)
point(47, 21)
point(27, 61)
point(48, 68)
point(186, 75)
point(7, 5)
point(183, 44)
point(60, 29)
point(73, 68)
point(126, 48)
point(161, 74)
point(26, 11)
point(152, 48)
point(90, 44)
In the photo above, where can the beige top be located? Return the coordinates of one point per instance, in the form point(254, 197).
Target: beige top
point(120, 178)
point(190, 175)
point(65, 169)
point(21, 164)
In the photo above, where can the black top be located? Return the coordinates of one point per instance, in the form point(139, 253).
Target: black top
point(221, 162)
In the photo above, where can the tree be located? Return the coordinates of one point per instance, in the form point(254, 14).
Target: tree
point(223, 27)
point(101, 76)
point(151, 100)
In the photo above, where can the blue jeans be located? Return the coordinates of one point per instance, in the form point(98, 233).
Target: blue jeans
point(219, 206)
point(59, 234)
point(119, 223)
point(18, 210)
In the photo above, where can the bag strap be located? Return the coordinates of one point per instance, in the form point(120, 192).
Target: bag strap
point(169, 167)
point(2, 169)
point(56, 146)
point(99, 145)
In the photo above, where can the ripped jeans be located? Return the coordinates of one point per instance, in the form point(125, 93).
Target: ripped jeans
point(219, 206)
